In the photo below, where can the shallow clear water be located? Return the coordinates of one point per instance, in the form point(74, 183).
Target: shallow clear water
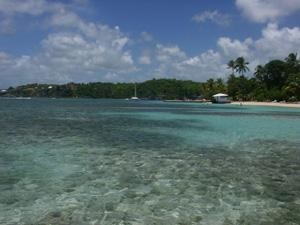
point(122, 162)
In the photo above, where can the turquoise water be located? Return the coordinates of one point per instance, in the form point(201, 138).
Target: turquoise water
point(122, 162)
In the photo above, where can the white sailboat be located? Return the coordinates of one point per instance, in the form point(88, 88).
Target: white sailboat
point(134, 97)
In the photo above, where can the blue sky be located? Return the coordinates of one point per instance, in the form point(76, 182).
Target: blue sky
point(134, 40)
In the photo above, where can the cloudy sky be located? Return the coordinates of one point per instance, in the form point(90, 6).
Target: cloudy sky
point(52, 41)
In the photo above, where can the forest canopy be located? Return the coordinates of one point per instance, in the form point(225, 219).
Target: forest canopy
point(276, 80)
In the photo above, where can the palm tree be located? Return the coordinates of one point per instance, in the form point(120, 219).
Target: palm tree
point(292, 57)
point(231, 65)
point(292, 60)
point(221, 87)
point(241, 65)
point(259, 72)
point(293, 87)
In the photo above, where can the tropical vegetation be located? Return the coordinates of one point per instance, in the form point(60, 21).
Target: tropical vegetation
point(276, 80)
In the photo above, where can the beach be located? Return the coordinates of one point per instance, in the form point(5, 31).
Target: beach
point(280, 104)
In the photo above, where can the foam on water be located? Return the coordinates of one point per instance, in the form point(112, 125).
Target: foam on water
point(116, 162)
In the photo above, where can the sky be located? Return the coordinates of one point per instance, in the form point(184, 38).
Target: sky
point(53, 41)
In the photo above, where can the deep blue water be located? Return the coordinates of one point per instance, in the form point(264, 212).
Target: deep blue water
point(85, 161)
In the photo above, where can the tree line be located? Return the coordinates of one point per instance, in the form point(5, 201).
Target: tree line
point(276, 80)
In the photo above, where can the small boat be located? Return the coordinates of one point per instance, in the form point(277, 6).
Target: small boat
point(134, 97)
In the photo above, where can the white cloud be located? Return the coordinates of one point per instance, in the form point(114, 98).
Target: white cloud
point(67, 57)
point(235, 48)
point(36, 7)
point(145, 36)
point(145, 60)
point(61, 14)
point(276, 43)
point(31, 7)
point(204, 66)
point(73, 57)
point(62, 17)
point(78, 51)
point(169, 53)
point(5, 61)
point(23, 69)
point(167, 59)
point(213, 16)
point(173, 62)
point(81, 51)
point(69, 50)
point(267, 10)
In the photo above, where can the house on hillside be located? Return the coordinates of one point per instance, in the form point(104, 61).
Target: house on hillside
point(221, 98)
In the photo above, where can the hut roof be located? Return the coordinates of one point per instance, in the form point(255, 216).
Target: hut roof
point(220, 95)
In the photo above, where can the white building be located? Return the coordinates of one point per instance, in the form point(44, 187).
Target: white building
point(221, 98)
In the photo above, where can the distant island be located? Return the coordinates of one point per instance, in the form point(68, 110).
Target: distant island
point(277, 80)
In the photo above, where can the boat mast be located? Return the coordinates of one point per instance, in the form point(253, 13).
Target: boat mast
point(134, 89)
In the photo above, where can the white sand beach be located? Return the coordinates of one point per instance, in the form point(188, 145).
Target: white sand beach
point(280, 104)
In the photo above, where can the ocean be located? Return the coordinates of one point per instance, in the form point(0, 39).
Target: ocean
point(90, 161)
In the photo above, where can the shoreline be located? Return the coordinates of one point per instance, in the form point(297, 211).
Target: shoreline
point(279, 104)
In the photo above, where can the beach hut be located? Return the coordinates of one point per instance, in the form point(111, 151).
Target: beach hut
point(3, 91)
point(221, 98)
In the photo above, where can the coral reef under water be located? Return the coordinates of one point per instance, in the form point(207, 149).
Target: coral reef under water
point(72, 165)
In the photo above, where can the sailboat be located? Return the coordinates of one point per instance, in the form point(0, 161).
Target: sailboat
point(134, 97)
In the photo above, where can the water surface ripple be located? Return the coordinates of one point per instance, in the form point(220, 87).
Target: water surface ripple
point(84, 161)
